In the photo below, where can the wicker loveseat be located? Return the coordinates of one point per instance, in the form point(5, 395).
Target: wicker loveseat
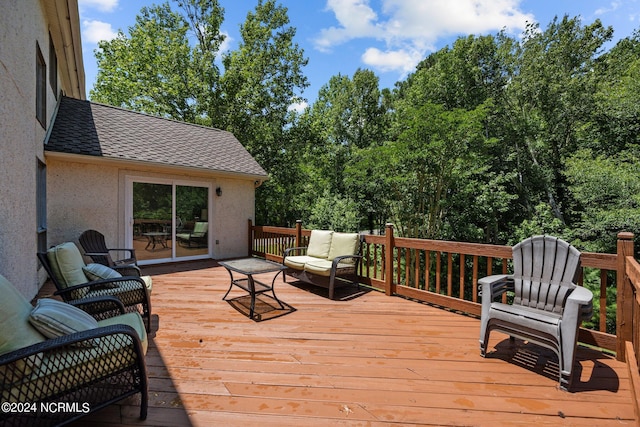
point(330, 260)
point(89, 364)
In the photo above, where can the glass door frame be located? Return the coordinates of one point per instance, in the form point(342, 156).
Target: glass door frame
point(130, 179)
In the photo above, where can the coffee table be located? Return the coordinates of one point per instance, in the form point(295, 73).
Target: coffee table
point(156, 238)
point(249, 267)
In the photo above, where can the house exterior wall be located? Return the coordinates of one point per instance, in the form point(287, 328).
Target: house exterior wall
point(84, 195)
point(232, 211)
point(24, 24)
point(81, 196)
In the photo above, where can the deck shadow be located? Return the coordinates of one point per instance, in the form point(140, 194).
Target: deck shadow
point(266, 308)
point(341, 293)
point(544, 362)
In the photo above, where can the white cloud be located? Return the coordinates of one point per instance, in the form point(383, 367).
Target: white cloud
point(356, 20)
point(298, 107)
point(604, 10)
point(227, 43)
point(94, 31)
point(101, 5)
point(392, 60)
point(410, 28)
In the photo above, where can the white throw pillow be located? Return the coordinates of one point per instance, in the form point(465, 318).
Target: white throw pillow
point(55, 318)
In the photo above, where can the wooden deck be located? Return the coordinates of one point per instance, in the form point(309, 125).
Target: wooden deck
point(369, 360)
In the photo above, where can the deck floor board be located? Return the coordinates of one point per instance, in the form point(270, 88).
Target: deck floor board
point(369, 360)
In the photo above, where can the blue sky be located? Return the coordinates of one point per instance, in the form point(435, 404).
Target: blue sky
point(387, 36)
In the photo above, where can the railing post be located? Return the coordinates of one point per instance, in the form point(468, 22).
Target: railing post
point(298, 233)
point(389, 284)
point(624, 311)
point(250, 238)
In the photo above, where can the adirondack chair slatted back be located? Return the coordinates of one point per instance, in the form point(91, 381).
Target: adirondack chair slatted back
point(92, 241)
point(545, 269)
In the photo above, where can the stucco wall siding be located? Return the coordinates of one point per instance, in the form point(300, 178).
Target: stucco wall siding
point(81, 196)
point(23, 26)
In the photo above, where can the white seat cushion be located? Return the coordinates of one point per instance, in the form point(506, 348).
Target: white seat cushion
point(344, 244)
point(298, 261)
point(322, 267)
point(319, 243)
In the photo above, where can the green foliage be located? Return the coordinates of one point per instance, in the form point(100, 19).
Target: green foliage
point(332, 212)
point(154, 70)
point(607, 190)
point(542, 222)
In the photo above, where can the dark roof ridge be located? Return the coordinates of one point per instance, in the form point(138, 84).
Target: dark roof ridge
point(146, 114)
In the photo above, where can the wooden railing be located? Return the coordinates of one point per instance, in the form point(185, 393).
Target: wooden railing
point(446, 274)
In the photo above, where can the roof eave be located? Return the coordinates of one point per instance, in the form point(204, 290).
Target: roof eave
point(83, 158)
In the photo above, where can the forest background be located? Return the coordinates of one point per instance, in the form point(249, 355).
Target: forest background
point(491, 139)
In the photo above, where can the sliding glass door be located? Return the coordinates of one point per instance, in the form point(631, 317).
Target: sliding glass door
point(168, 220)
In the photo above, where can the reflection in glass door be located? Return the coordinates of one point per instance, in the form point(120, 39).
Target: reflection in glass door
point(192, 221)
point(152, 206)
point(170, 221)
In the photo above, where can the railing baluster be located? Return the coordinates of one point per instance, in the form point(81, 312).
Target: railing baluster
point(438, 270)
point(449, 274)
point(462, 266)
point(427, 269)
point(417, 275)
point(474, 285)
point(603, 301)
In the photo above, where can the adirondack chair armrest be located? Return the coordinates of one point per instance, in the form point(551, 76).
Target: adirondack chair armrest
point(495, 285)
point(130, 250)
point(96, 253)
point(580, 295)
point(298, 251)
point(579, 304)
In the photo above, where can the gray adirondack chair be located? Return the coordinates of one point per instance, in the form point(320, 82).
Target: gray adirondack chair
point(548, 307)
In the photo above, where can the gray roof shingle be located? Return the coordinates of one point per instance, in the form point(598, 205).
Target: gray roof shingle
point(91, 129)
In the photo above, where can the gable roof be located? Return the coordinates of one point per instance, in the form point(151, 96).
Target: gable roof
point(92, 129)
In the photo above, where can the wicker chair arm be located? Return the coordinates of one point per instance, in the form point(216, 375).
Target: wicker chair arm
point(125, 282)
point(128, 270)
point(100, 307)
point(287, 252)
point(84, 338)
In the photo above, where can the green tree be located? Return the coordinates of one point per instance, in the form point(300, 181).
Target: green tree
point(262, 79)
point(548, 98)
point(615, 122)
point(607, 189)
point(156, 70)
point(348, 117)
point(455, 173)
point(435, 151)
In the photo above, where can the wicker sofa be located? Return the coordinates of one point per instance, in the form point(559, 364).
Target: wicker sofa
point(330, 260)
point(56, 366)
